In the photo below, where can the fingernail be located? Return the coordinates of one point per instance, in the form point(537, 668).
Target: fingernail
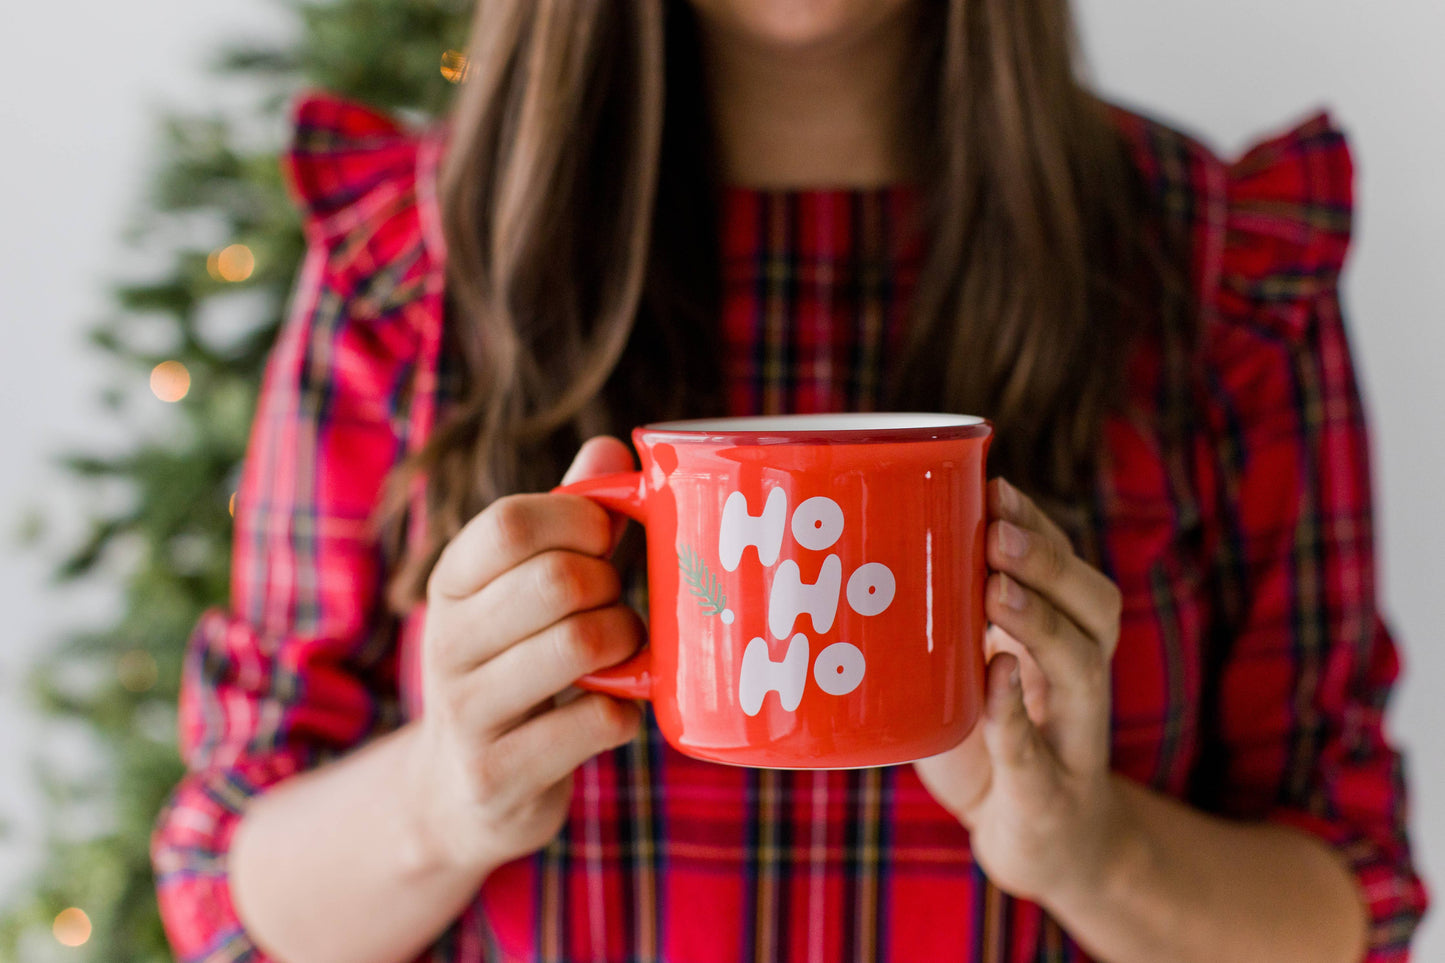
point(1013, 675)
point(1008, 495)
point(1011, 594)
point(1012, 540)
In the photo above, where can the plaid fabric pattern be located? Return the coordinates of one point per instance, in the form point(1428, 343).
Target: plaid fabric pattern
point(1250, 679)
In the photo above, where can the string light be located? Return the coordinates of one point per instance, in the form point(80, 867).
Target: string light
point(137, 670)
point(71, 927)
point(231, 264)
point(170, 381)
point(456, 68)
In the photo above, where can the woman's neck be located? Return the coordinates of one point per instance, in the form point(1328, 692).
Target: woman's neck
point(816, 116)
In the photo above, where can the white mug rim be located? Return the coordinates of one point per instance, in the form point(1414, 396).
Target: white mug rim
point(840, 427)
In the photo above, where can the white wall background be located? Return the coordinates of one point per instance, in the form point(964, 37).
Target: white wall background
point(80, 80)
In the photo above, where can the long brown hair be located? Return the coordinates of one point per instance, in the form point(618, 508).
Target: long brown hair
point(578, 208)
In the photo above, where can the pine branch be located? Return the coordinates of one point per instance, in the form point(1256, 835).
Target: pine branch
point(701, 582)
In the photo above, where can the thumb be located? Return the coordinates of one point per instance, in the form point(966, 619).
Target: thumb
point(601, 455)
point(1012, 741)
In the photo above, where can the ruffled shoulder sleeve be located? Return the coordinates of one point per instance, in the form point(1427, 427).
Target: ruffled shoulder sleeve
point(354, 171)
point(303, 664)
point(1304, 662)
point(1288, 204)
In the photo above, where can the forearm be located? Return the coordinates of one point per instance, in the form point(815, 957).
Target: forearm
point(336, 865)
point(1188, 887)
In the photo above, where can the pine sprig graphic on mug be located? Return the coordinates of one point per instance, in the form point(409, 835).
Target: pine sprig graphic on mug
point(701, 582)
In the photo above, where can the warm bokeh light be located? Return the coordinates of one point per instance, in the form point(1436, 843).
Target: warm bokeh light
point(72, 927)
point(170, 381)
point(231, 264)
point(455, 67)
point(137, 670)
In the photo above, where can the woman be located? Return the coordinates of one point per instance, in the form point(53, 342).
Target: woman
point(654, 209)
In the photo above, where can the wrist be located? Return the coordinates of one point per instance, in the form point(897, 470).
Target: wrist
point(434, 836)
point(1117, 859)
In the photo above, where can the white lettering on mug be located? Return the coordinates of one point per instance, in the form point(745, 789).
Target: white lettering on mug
point(818, 523)
point(839, 668)
point(871, 588)
point(761, 675)
point(790, 597)
point(740, 529)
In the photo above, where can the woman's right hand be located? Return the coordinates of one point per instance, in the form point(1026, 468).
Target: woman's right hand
point(522, 602)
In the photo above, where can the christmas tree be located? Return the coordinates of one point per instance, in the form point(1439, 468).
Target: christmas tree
point(94, 891)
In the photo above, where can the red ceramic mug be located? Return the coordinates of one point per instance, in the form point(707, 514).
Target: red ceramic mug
point(815, 585)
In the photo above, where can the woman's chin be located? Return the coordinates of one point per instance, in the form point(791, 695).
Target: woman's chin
point(799, 24)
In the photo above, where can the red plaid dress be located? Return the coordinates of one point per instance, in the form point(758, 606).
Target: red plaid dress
point(1250, 679)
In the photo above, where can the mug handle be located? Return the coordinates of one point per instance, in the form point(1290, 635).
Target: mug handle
point(623, 493)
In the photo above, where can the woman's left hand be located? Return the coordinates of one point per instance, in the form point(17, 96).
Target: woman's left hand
point(1031, 783)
